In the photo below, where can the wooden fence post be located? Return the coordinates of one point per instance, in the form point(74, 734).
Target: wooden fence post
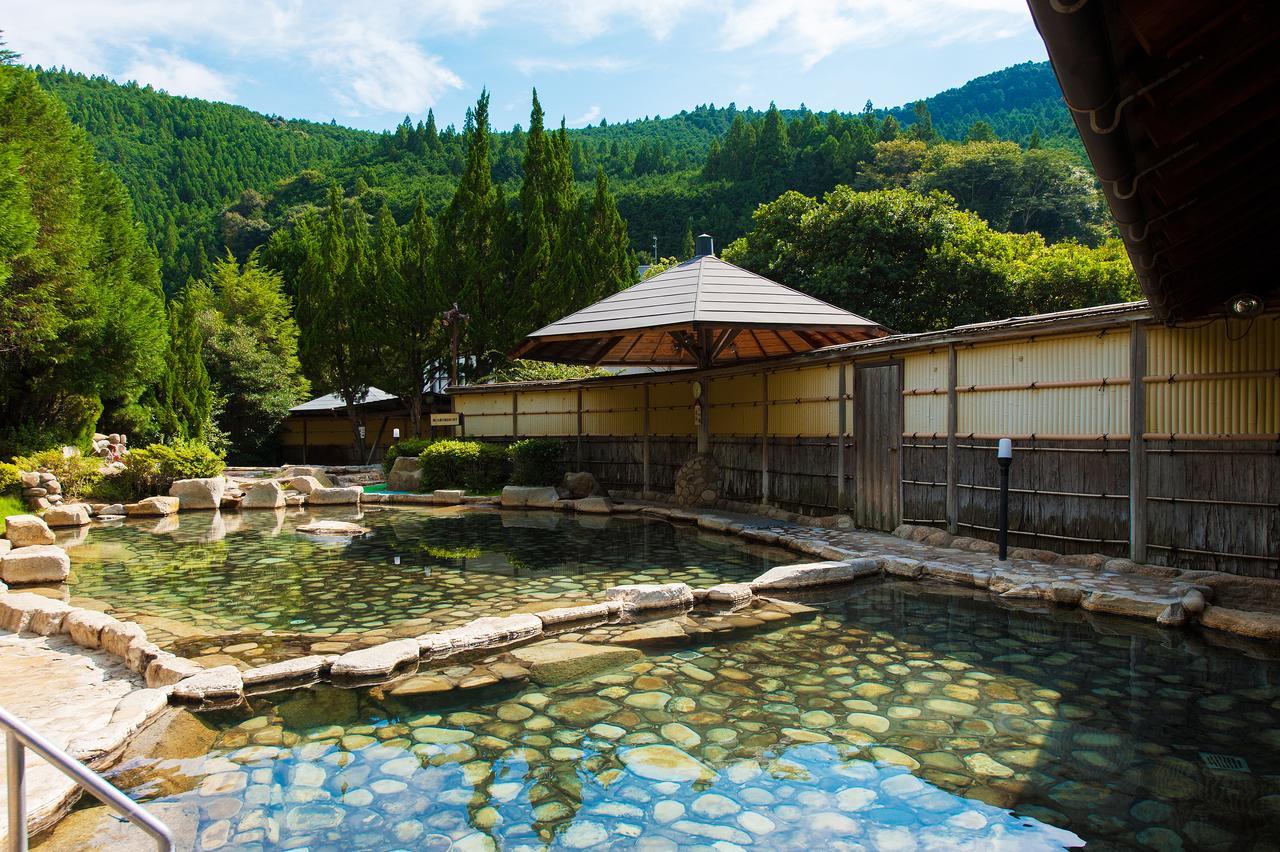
point(644, 447)
point(764, 440)
point(842, 426)
point(1137, 446)
point(953, 421)
point(578, 451)
point(515, 415)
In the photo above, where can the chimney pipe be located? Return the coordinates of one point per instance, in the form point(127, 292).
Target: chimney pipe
point(704, 246)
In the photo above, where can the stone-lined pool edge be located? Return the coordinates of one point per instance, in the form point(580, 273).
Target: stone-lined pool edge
point(183, 681)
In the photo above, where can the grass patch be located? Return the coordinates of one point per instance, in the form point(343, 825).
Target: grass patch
point(10, 506)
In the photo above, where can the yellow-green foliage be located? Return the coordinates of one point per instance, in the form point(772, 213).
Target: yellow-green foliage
point(10, 478)
point(76, 474)
point(152, 469)
point(464, 464)
point(9, 505)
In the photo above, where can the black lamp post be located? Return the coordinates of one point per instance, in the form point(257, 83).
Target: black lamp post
point(1004, 455)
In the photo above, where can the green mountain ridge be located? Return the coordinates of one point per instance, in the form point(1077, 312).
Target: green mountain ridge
point(187, 162)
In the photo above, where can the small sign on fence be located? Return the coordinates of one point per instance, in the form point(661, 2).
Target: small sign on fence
point(448, 419)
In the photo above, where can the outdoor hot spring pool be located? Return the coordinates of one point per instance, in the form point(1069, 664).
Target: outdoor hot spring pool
point(247, 585)
point(899, 717)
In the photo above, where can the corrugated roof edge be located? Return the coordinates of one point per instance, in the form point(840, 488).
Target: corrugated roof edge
point(1059, 321)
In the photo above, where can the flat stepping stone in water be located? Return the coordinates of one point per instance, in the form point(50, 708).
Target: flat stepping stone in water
point(666, 763)
point(331, 528)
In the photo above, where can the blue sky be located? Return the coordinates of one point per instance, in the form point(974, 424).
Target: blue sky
point(369, 64)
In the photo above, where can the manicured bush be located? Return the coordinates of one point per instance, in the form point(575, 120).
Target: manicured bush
point(407, 447)
point(464, 464)
point(10, 478)
point(77, 474)
point(492, 469)
point(536, 461)
point(150, 470)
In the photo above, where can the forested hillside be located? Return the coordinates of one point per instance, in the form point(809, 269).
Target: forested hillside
point(186, 162)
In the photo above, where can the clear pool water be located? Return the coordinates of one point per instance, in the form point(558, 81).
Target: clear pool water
point(899, 718)
point(249, 586)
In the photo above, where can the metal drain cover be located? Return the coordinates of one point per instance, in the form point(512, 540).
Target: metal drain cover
point(1227, 762)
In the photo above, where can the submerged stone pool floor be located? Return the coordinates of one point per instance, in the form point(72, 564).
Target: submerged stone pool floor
point(900, 716)
point(247, 589)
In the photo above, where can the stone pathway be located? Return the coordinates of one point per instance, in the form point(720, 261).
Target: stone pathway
point(67, 694)
point(1093, 582)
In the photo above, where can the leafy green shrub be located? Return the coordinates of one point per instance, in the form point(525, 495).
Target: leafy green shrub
point(535, 461)
point(152, 469)
point(406, 447)
point(466, 464)
point(10, 478)
point(77, 474)
point(492, 468)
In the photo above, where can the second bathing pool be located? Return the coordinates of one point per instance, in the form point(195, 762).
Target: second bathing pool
point(249, 587)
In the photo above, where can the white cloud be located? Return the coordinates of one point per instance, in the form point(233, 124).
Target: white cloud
point(814, 29)
point(601, 64)
point(163, 69)
point(591, 116)
point(384, 56)
point(370, 58)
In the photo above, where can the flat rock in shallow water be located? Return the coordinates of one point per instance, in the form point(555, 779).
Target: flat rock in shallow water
point(333, 528)
point(652, 595)
point(815, 574)
point(551, 663)
point(666, 763)
point(212, 684)
point(378, 660)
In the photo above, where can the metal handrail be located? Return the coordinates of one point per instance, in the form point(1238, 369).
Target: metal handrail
point(18, 738)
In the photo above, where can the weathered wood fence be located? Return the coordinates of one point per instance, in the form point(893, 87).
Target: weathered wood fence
point(1130, 438)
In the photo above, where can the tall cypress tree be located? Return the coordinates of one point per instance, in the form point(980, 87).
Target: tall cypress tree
point(409, 291)
point(607, 256)
point(186, 409)
point(470, 248)
point(773, 154)
point(535, 232)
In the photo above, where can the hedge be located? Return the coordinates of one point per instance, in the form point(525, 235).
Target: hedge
point(464, 464)
point(536, 461)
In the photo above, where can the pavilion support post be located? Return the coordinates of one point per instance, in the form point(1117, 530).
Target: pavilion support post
point(953, 419)
point(841, 428)
point(644, 447)
point(515, 415)
point(1137, 446)
point(578, 446)
point(764, 440)
point(703, 401)
point(304, 440)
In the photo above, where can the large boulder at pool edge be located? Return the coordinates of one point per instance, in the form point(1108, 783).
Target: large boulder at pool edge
point(37, 563)
point(264, 495)
point(406, 474)
point(27, 530)
point(203, 493)
point(579, 484)
point(335, 496)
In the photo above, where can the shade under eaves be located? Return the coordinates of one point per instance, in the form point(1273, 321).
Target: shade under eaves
point(704, 312)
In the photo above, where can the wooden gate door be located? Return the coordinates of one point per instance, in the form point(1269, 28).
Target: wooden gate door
point(877, 412)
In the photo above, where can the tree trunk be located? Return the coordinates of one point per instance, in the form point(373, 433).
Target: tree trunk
point(357, 438)
point(415, 413)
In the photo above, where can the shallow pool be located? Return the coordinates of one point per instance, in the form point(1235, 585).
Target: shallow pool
point(899, 718)
point(248, 586)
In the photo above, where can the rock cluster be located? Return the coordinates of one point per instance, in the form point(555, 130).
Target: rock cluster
point(111, 447)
